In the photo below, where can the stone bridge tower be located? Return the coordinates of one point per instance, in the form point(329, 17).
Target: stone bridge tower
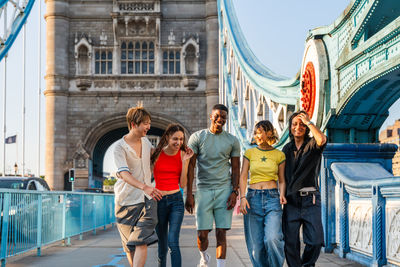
point(106, 56)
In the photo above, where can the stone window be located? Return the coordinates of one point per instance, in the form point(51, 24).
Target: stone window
point(103, 62)
point(137, 57)
point(171, 62)
point(190, 59)
point(83, 60)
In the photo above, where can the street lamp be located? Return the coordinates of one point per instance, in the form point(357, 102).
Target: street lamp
point(15, 169)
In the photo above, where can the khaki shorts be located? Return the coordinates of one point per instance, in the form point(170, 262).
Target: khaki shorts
point(136, 224)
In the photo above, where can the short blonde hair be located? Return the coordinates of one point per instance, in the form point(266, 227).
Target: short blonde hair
point(137, 115)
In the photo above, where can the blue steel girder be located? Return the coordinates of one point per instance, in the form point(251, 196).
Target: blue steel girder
point(374, 16)
point(13, 23)
point(249, 89)
point(363, 51)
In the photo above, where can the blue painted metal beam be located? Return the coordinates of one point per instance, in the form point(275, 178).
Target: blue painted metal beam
point(3, 2)
point(16, 27)
point(279, 88)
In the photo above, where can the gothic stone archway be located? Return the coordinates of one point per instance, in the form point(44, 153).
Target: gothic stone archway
point(89, 156)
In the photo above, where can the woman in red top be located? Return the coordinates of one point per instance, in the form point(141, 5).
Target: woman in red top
point(170, 160)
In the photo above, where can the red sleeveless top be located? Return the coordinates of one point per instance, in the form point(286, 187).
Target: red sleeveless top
point(167, 171)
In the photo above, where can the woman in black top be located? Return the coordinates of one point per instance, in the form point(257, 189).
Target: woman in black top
point(303, 159)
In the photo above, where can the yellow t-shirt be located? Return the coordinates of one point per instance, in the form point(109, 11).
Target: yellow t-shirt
point(264, 164)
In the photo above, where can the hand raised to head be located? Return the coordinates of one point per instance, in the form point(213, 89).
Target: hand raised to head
point(304, 118)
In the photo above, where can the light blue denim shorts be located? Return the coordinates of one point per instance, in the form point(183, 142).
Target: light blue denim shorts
point(211, 206)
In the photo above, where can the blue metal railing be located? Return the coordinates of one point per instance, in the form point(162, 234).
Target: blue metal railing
point(30, 220)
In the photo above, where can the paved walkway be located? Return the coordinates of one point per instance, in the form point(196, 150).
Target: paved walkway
point(104, 250)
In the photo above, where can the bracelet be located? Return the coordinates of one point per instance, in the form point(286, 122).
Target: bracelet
point(310, 122)
point(243, 197)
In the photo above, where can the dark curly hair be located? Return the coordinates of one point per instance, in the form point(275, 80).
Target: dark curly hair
point(307, 135)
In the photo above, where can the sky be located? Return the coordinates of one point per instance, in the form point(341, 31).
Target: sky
point(275, 31)
point(14, 97)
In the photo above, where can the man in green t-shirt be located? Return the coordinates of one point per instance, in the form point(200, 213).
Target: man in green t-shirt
point(217, 155)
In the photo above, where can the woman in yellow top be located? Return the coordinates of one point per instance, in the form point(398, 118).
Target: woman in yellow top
point(262, 206)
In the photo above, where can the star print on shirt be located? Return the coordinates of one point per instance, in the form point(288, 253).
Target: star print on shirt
point(263, 159)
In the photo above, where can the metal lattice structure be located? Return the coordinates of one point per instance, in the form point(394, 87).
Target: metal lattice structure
point(348, 79)
point(13, 15)
point(250, 90)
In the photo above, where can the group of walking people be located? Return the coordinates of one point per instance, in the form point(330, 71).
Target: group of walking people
point(278, 190)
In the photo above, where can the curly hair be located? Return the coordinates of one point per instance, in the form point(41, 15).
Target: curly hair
point(171, 129)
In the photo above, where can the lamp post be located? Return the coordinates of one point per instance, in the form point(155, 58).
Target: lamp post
point(15, 169)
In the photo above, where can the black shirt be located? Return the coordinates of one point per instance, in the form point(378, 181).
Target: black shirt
point(303, 165)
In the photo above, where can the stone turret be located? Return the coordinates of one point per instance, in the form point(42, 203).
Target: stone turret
point(57, 29)
point(104, 58)
point(212, 54)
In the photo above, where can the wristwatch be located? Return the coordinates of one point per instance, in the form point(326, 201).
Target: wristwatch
point(310, 122)
point(236, 191)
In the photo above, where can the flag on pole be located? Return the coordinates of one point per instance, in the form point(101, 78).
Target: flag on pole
point(11, 139)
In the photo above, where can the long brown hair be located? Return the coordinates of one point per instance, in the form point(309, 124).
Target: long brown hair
point(171, 129)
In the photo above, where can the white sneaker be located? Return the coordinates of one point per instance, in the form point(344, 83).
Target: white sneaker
point(204, 262)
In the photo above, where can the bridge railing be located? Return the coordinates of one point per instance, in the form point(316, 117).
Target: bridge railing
point(30, 220)
point(360, 201)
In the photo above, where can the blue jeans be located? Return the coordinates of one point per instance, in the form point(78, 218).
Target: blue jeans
point(263, 228)
point(170, 215)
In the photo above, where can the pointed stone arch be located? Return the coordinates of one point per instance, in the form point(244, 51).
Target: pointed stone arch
point(190, 53)
point(83, 56)
point(90, 151)
point(101, 127)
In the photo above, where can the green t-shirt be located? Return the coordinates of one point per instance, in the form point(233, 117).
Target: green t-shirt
point(214, 152)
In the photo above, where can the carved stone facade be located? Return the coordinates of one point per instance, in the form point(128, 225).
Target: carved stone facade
point(105, 56)
point(360, 225)
point(393, 231)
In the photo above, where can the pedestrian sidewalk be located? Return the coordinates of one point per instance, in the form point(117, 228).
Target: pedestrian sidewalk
point(104, 250)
